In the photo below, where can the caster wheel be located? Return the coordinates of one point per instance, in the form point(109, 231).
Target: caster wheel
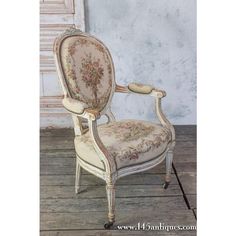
point(165, 185)
point(108, 225)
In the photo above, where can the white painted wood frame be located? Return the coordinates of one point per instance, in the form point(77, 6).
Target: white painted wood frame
point(110, 174)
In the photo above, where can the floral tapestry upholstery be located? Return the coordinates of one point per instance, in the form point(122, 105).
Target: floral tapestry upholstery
point(87, 68)
point(129, 142)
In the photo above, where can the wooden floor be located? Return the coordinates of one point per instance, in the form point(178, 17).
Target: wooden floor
point(139, 197)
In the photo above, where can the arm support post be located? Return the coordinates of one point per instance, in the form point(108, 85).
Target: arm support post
point(78, 109)
point(154, 92)
point(162, 118)
point(100, 148)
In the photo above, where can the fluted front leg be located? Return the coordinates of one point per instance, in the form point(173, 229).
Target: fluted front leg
point(110, 189)
point(169, 159)
point(77, 176)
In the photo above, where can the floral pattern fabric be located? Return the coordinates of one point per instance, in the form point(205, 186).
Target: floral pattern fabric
point(92, 73)
point(88, 70)
point(129, 142)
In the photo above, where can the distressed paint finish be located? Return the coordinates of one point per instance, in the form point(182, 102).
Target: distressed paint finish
point(152, 42)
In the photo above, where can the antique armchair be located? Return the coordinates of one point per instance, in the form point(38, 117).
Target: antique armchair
point(116, 148)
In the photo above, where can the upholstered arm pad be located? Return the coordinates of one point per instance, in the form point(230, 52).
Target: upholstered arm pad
point(74, 105)
point(141, 89)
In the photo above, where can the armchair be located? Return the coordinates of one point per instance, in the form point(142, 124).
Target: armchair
point(117, 148)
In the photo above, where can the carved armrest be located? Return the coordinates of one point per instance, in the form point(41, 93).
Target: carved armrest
point(154, 92)
point(79, 108)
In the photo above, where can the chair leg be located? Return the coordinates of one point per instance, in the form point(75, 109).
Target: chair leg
point(110, 189)
point(169, 159)
point(77, 176)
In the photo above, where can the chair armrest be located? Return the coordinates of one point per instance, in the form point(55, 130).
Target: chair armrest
point(146, 89)
point(100, 148)
point(79, 108)
point(73, 105)
point(141, 89)
point(154, 92)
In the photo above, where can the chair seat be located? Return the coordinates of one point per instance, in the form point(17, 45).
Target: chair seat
point(129, 142)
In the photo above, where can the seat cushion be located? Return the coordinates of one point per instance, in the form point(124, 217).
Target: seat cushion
point(129, 142)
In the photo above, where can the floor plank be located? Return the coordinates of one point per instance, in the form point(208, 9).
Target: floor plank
point(96, 220)
point(184, 157)
point(185, 166)
point(192, 199)
point(188, 182)
point(73, 205)
point(57, 192)
point(186, 129)
point(63, 132)
point(136, 179)
point(64, 143)
point(54, 153)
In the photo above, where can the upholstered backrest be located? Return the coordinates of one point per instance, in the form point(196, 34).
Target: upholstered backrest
point(85, 67)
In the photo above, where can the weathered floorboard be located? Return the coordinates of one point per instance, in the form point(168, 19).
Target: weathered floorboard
point(136, 179)
point(192, 199)
point(53, 153)
point(185, 166)
point(184, 157)
point(95, 220)
point(73, 205)
point(188, 182)
point(57, 192)
point(63, 132)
